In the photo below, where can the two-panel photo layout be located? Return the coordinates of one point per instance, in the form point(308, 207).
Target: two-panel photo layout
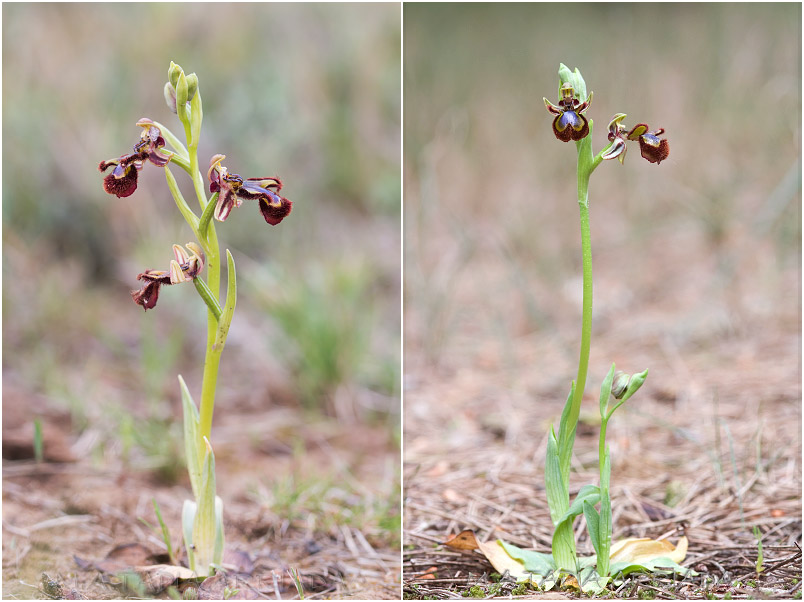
point(385, 301)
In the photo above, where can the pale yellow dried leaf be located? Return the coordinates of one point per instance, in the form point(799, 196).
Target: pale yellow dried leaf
point(501, 561)
point(641, 550)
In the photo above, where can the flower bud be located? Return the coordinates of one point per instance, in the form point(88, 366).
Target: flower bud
point(620, 384)
point(192, 86)
point(174, 72)
point(170, 97)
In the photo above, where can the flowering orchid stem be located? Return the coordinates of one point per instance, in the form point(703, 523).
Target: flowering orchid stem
point(570, 123)
point(564, 550)
point(207, 506)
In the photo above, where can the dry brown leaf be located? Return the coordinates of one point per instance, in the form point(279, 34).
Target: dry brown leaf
point(571, 583)
point(641, 550)
point(157, 577)
point(465, 540)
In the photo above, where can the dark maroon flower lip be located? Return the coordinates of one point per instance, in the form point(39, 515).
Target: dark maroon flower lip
point(148, 295)
point(652, 148)
point(232, 190)
point(187, 265)
point(569, 123)
point(122, 181)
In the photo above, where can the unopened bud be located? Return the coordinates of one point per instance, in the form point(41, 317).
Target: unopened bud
point(620, 384)
point(170, 97)
point(192, 86)
point(174, 72)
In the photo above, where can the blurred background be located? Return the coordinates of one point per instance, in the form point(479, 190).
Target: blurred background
point(309, 93)
point(697, 261)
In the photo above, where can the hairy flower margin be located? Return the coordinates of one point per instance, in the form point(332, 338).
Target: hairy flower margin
point(184, 268)
point(232, 189)
point(122, 181)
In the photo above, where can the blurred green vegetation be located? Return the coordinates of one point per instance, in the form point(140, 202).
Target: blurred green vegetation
point(309, 93)
point(491, 225)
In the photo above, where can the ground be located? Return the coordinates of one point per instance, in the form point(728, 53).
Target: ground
point(313, 509)
point(709, 448)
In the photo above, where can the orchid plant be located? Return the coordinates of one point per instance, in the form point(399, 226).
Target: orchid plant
point(202, 517)
point(546, 570)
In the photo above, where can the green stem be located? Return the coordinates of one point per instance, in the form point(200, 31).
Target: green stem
point(601, 450)
point(586, 165)
point(212, 250)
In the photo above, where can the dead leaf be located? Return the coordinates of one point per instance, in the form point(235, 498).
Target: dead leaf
point(500, 559)
point(158, 577)
point(226, 586)
point(641, 550)
point(465, 540)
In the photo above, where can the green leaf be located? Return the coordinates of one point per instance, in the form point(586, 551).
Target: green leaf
point(590, 493)
point(217, 556)
point(591, 582)
point(557, 495)
point(564, 553)
point(566, 440)
point(605, 393)
point(558, 501)
point(204, 527)
point(191, 438)
point(206, 216)
point(187, 519)
point(208, 297)
point(533, 562)
point(592, 525)
point(661, 566)
point(231, 299)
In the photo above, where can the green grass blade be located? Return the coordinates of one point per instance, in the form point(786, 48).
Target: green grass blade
point(38, 441)
point(165, 531)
